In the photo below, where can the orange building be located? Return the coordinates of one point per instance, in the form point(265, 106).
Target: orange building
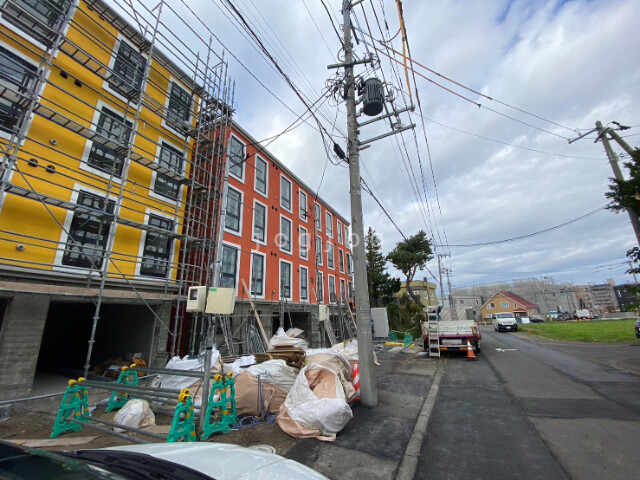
point(290, 248)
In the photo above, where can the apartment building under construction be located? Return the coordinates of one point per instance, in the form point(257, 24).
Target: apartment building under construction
point(102, 185)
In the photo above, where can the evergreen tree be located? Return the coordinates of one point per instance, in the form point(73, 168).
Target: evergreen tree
point(411, 255)
point(380, 283)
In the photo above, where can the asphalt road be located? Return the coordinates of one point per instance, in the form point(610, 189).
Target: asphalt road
point(532, 410)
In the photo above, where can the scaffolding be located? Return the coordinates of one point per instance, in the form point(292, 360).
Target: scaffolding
point(150, 175)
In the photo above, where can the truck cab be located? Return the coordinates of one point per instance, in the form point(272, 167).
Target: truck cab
point(504, 322)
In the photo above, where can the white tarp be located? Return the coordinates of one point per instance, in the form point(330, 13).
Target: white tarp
point(185, 363)
point(276, 372)
point(281, 339)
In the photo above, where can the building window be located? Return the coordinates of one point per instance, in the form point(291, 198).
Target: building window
point(304, 284)
point(318, 250)
point(157, 249)
point(303, 205)
point(492, 305)
point(304, 248)
point(340, 261)
point(233, 217)
point(42, 20)
point(317, 216)
point(18, 79)
point(229, 267)
point(504, 304)
point(257, 274)
point(128, 71)
point(329, 222)
point(285, 194)
point(285, 234)
point(179, 106)
point(262, 172)
point(285, 280)
point(320, 287)
point(346, 235)
point(330, 257)
point(259, 222)
point(87, 234)
point(343, 291)
point(236, 158)
point(332, 289)
point(172, 159)
point(348, 255)
point(339, 230)
point(113, 127)
point(350, 285)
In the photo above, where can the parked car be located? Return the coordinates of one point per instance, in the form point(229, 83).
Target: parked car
point(504, 322)
point(179, 461)
point(536, 320)
point(637, 328)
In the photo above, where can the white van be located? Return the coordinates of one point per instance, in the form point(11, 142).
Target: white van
point(504, 322)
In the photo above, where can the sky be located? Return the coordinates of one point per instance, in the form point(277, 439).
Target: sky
point(488, 171)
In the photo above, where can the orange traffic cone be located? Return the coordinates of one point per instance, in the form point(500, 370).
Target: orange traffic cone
point(356, 381)
point(470, 354)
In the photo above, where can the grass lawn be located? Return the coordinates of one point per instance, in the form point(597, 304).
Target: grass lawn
point(607, 331)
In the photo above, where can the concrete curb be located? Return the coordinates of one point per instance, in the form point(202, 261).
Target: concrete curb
point(409, 462)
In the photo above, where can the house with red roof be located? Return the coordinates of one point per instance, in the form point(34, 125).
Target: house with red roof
point(508, 302)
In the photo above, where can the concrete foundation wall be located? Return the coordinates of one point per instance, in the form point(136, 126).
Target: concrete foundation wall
point(20, 339)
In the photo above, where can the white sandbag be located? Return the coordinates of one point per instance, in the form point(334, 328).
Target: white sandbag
point(276, 372)
point(135, 413)
point(324, 408)
point(236, 366)
point(350, 349)
point(185, 363)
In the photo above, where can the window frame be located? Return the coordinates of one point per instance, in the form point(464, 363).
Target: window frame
point(242, 164)
point(253, 223)
point(237, 233)
point(320, 287)
point(143, 245)
point(340, 260)
point(303, 243)
point(280, 287)
point(27, 32)
point(84, 162)
point(319, 251)
point(504, 304)
point(106, 84)
point(177, 129)
point(339, 231)
point(346, 235)
point(328, 219)
point(280, 235)
point(332, 257)
point(236, 279)
point(305, 276)
point(303, 213)
point(285, 179)
point(330, 290)
point(257, 253)
point(30, 71)
point(154, 176)
point(317, 216)
point(343, 290)
point(266, 177)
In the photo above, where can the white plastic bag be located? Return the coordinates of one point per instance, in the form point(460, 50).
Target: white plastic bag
point(186, 363)
point(135, 413)
point(236, 366)
point(324, 408)
point(276, 372)
point(282, 339)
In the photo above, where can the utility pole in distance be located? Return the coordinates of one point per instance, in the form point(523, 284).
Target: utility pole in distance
point(368, 387)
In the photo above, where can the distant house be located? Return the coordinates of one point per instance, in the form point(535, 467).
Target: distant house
point(503, 302)
point(424, 289)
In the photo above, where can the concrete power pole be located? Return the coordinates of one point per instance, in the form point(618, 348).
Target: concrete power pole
point(613, 160)
point(368, 387)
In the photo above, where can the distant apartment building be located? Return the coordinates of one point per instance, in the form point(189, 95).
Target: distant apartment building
point(423, 289)
point(97, 131)
point(604, 297)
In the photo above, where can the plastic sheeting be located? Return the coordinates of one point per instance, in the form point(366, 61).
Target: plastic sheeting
point(186, 363)
point(281, 339)
point(276, 372)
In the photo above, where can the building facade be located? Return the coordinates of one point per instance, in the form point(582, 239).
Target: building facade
point(284, 247)
point(507, 302)
point(424, 289)
point(97, 131)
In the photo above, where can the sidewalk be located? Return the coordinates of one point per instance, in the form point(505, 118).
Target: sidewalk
point(379, 442)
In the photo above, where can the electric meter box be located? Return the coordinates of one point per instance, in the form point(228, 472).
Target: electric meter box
point(197, 299)
point(323, 313)
point(221, 300)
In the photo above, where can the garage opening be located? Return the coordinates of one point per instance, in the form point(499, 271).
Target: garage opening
point(122, 331)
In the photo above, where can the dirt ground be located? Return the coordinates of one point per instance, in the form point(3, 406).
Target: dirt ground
point(23, 426)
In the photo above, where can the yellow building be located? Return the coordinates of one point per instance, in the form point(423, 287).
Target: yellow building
point(97, 132)
point(426, 291)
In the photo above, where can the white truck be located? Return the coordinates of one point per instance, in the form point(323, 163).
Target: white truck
point(583, 314)
point(447, 335)
point(504, 322)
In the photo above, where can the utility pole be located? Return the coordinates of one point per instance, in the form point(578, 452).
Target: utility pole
point(613, 160)
point(440, 275)
point(368, 387)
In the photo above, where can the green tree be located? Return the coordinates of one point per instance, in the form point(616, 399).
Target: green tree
point(380, 283)
point(625, 195)
point(411, 255)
